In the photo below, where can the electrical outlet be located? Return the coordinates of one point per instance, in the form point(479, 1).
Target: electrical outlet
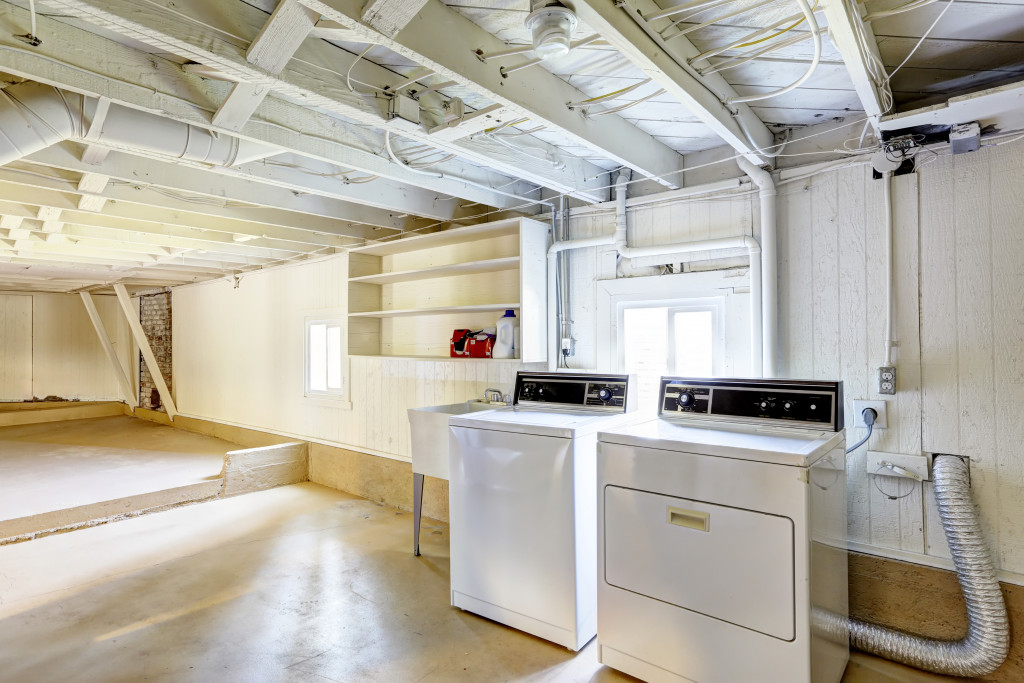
point(568, 346)
point(881, 421)
point(887, 379)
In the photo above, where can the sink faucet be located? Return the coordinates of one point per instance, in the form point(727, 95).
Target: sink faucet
point(494, 396)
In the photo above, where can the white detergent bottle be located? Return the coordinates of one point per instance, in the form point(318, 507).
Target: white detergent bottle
point(504, 344)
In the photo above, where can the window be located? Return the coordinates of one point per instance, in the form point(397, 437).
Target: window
point(324, 356)
point(666, 340)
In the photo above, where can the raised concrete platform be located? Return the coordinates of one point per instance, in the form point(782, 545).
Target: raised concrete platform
point(53, 411)
point(63, 475)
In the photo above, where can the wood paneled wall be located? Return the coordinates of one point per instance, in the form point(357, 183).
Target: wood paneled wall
point(48, 347)
point(238, 358)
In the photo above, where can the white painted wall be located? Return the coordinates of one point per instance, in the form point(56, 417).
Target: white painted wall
point(959, 250)
point(238, 358)
point(48, 347)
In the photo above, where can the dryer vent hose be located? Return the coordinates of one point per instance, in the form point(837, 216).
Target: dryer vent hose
point(987, 641)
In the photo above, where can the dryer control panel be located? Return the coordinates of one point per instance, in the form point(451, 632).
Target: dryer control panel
point(578, 391)
point(790, 403)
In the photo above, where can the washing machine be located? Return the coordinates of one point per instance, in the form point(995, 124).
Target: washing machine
point(523, 504)
point(720, 525)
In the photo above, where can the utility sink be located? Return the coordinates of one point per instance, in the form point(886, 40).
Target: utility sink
point(429, 429)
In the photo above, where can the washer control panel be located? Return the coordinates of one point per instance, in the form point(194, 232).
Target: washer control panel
point(602, 393)
point(792, 402)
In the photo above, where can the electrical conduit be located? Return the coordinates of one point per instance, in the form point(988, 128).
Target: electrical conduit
point(987, 642)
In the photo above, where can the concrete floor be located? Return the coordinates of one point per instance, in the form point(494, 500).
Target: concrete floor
point(298, 583)
point(75, 464)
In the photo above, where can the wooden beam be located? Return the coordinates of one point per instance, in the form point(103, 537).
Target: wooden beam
point(844, 25)
point(101, 332)
point(321, 83)
point(391, 16)
point(85, 62)
point(622, 25)
point(147, 351)
point(277, 41)
point(533, 93)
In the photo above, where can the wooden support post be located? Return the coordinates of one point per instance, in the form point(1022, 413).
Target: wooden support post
point(147, 351)
point(126, 384)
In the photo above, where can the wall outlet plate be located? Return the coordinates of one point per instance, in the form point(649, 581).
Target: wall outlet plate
point(881, 422)
point(883, 464)
point(887, 380)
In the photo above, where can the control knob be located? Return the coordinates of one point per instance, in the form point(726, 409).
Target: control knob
point(605, 394)
point(686, 399)
point(526, 392)
point(788, 405)
point(763, 405)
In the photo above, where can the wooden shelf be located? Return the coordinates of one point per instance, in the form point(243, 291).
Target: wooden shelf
point(460, 359)
point(441, 239)
point(467, 268)
point(443, 310)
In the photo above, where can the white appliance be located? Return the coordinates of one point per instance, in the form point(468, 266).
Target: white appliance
point(522, 488)
point(720, 525)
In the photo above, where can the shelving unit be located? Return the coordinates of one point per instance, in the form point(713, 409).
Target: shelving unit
point(407, 296)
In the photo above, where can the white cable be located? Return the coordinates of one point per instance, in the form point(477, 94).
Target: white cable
point(812, 22)
point(627, 105)
point(32, 13)
point(899, 10)
point(919, 42)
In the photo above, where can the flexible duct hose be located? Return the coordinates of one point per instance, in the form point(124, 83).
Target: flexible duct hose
point(987, 641)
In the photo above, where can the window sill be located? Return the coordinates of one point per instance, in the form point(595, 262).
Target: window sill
point(329, 401)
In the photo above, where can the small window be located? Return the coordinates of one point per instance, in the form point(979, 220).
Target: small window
point(666, 340)
point(324, 375)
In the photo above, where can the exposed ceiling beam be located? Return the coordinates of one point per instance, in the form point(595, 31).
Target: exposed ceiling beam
point(85, 62)
point(277, 41)
point(319, 84)
point(844, 25)
point(534, 93)
point(221, 195)
point(391, 16)
point(142, 218)
point(620, 22)
point(1001, 107)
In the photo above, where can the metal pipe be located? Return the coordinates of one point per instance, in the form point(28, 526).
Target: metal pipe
point(987, 642)
point(769, 259)
point(887, 194)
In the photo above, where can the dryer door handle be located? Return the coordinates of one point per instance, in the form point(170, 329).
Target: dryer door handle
point(691, 519)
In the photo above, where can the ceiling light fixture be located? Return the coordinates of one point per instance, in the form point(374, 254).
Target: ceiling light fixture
point(551, 24)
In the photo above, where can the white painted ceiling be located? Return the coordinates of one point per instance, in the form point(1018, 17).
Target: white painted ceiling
point(159, 222)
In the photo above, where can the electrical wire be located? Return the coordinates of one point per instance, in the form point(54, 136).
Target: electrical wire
point(812, 22)
point(348, 73)
point(899, 10)
point(919, 42)
point(869, 416)
point(607, 96)
point(627, 105)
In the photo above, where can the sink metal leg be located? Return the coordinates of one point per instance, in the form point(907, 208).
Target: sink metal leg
point(417, 511)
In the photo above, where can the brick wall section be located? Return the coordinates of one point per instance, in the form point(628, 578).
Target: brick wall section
point(155, 315)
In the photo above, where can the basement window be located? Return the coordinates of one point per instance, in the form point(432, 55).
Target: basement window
point(324, 358)
point(667, 340)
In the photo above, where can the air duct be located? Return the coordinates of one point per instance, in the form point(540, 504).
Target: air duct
point(34, 116)
point(987, 642)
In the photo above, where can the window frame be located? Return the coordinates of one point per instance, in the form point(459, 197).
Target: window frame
point(339, 397)
point(706, 290)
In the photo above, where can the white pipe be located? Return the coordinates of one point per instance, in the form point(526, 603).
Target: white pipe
point(887, 199)
point(34, 116)
point(758, 329)
point(769, 260)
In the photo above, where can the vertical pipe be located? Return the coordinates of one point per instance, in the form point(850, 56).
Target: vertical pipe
point(756, 322)
point(769, 263)
point(887, 194)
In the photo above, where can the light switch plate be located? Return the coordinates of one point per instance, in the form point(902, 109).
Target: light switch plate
point(881, 422)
